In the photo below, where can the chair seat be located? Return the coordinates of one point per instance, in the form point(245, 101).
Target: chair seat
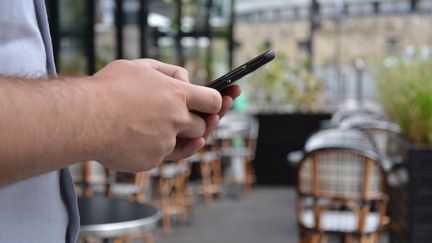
point(340, 221)
point(118, 189)
point(193, 158)
point(233, 152)
point(125, 189)
point(98, 174)
point(209, 156)
point(169, 170)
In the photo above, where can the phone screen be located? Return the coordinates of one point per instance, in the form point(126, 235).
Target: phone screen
point(239, 72)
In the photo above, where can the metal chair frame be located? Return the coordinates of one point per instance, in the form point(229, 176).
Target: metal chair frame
point(361, 203)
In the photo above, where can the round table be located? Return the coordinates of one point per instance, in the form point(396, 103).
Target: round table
point(112, 217)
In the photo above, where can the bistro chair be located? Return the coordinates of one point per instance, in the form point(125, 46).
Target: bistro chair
point(210, 169)
point(343, 114)
point(171, 192)
point(133, 186)
point(384, 133)
point(88, 177)
point(341, 188)
point(237, 137)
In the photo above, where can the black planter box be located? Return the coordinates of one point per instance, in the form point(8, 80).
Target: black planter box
point(411, 215)
point(420, 192)
point(280, 134)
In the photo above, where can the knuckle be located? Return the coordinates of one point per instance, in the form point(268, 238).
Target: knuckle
point(182, 74)
point(180, 94)
point(120, 62)
point(177, 112)
point(203, 127)
point(183, 70)
point(216, 100)
point(167, 147)
point(146, 62)
point(181, 118)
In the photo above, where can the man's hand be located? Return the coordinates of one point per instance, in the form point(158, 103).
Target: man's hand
point(130, 116)
point(154, 113)
point(186, 147)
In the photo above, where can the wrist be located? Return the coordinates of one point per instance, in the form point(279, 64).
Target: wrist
point(103, 120)
point(98, 124)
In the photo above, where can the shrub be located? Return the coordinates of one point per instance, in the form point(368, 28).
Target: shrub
point(406, 94)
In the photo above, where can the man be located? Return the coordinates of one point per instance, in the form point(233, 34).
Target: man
point(129, 116)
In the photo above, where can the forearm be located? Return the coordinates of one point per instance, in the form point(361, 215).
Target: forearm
point(129, 116)
point(46, 125)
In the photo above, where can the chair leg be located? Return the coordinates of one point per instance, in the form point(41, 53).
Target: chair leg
point(166, 220)
point(348, 238)
point(181, 206)
point(126, 239)
point(205, 183)
point(375, 237)
point(166, 224)
point(180, 198)
point(148, 236)
point(122, 239)
point(249, 176)
point(217, 177)
point(364, 239)
point(90, 239)
point(315, 238)
point(190, 205)
point(303, 236)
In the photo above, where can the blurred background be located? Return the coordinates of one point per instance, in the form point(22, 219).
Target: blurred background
point(330, 142)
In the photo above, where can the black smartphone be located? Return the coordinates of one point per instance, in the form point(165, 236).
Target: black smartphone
point(236, 74)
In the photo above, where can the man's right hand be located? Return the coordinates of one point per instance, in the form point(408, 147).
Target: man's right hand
point(147, 110)
point(130, 116)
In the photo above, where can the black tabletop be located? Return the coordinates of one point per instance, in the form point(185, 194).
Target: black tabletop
point(113, 216)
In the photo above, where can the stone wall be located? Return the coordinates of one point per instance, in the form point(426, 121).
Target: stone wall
point(371, 38)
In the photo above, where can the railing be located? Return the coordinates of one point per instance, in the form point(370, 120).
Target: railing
point(335, 9)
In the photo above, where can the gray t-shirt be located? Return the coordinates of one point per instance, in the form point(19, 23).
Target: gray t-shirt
point(41, 208)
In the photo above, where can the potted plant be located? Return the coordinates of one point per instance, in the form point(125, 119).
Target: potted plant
point(286, 98)
point(405, 85)
point(406, 92)
point(285, 86)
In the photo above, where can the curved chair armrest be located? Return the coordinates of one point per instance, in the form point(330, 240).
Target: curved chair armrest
point(294, 158)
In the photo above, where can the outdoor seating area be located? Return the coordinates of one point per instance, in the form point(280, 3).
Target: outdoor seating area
point(331, 134)
point(327, 140)
point(222, 169)
point(349, 174)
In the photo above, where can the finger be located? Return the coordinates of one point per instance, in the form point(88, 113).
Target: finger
point(195, 127)
point(211, 121)
point(185, 148)
point(227, 103)
point(167, 69)
point(203, 99)
point(234, 91)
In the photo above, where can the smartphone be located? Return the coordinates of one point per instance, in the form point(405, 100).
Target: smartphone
point(236, 74)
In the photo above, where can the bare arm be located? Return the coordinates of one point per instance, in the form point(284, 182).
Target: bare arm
point(44, 125)
point(130, 116)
